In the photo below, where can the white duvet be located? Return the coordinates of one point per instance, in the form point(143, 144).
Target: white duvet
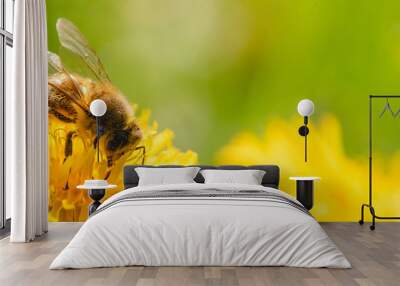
point(200, 231)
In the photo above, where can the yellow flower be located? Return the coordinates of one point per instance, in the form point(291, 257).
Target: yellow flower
point(66, 202)
point(344, 185)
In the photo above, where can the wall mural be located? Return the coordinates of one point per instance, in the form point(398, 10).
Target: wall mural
point(222, 80)
point(124, 138)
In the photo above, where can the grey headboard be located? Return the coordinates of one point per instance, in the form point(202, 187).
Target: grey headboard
point(271, 177)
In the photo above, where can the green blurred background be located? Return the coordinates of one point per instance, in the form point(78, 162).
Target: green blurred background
point(208, 69)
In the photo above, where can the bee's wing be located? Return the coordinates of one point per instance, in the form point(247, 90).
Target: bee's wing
point(55, 64)
point(72, 39)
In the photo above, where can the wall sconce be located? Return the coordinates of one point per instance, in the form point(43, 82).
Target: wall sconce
point(98, 108)
point(305, 109)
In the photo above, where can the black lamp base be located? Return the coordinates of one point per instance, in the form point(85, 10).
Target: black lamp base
point(96, 195)
point(305, 193)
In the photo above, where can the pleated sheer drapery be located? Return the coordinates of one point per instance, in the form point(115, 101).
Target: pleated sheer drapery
point(26, 124)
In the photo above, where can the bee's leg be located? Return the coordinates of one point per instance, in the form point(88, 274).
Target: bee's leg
point(66, 187)
point(144, 152)
point(109, 167)
point(107, 174)
point(95, 142)
point(109, 161)
point(68, 145)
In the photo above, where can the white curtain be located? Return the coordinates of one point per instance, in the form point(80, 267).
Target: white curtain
point(26, 123)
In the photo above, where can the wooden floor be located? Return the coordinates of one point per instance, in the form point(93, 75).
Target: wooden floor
point(375, 257)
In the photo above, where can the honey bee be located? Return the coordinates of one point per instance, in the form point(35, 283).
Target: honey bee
point(70, 95)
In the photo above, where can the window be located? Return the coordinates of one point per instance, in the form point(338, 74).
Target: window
point(6, 65)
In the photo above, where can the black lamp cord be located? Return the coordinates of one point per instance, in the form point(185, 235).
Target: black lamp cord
point(305, 137)
point(98, 139)
point(305, 148)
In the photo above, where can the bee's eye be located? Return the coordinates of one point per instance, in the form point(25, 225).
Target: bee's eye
point(118, 140)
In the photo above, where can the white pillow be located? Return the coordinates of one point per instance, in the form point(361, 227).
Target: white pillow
point(162, 176)
point(248, 177)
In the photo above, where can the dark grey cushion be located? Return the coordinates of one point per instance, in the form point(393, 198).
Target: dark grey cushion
point(270, 179)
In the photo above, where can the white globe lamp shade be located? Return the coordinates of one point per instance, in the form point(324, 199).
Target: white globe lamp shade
point(98, 107)
point(305, 107)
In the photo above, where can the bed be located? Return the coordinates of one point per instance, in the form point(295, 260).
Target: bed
point(198, 224)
